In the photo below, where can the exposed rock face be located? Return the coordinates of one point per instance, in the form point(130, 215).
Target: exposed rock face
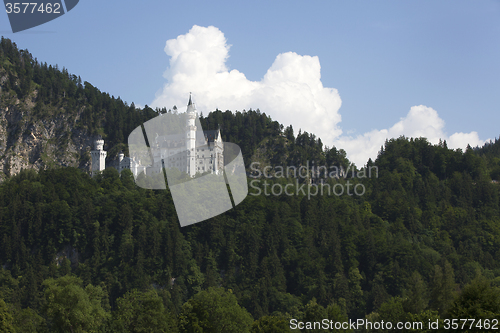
point(31, 138)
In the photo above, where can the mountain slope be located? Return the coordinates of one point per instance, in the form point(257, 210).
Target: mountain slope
point(421, 243)
point(48, 118)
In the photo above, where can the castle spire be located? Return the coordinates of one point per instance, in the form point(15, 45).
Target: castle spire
point(191, 108)
point(191, 136)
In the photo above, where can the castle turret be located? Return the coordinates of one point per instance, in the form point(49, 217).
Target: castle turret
point(191, 137)
point(99, 144)
point(98, 157)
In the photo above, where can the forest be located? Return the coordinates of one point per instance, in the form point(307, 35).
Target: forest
point(82, 254)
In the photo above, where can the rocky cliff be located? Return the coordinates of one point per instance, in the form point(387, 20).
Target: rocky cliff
point(50, 118)
point(31, 141)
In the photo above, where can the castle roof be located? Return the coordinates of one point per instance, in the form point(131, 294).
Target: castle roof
point(211, 135)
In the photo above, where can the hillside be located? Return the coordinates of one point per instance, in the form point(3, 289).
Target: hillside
point(50, 118)
point(102, 255)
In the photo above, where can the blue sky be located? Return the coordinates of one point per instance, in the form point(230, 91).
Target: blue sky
point(414, 67)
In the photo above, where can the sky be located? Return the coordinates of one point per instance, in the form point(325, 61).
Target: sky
point(353, 73)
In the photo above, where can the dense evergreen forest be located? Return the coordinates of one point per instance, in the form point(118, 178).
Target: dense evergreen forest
point(82, 254)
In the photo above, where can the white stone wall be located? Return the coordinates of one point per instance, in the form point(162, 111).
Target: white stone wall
point(98, 157)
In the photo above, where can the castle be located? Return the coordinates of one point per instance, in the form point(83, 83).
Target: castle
point(192, 151)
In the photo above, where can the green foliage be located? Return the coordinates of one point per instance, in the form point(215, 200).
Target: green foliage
point(443, 289)
point(314, 312)
point(416, 299)
point(142, 312)
point(271, 324)
point(478, 300)
point(6, 320)
point(214, 310)
point(8, 285)
point(29, 321)
point(72, 308)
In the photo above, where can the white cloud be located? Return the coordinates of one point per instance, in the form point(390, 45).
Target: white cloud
point(461, 140)
point(290, 92)
point(421, 121)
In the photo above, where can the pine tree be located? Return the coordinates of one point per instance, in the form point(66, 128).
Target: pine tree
point(6, 320)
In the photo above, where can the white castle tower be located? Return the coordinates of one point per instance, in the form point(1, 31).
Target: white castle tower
point(98, 157)
point(191, 137)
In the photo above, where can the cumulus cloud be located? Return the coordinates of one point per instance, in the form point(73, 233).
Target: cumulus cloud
point(291, 92)
point(421, 121)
